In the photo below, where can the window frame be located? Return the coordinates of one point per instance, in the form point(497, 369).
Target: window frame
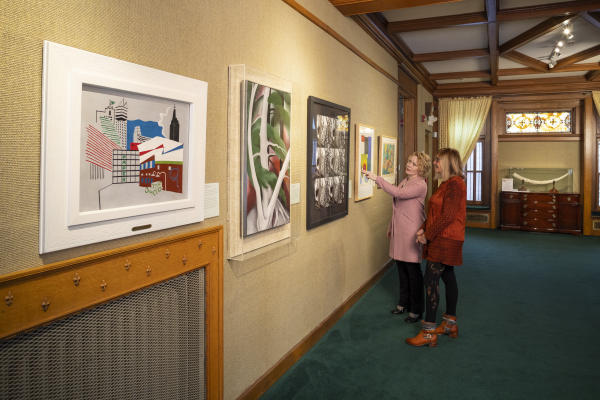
point(596, 151)
point(485, 139)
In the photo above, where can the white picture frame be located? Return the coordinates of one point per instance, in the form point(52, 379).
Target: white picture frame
point(73, 82)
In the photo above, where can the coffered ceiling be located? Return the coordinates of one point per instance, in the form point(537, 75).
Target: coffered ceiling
point(487, 46)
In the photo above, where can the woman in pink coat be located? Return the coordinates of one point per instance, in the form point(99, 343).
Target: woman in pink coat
point(407, 217)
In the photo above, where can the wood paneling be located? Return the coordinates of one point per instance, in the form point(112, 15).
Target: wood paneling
point(450, 55)
point(261, 385)
point(37, 296)
point(494, 164)
point(410, 127)
point(588, 164)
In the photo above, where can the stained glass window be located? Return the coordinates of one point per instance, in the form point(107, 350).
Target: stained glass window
point(539, 122)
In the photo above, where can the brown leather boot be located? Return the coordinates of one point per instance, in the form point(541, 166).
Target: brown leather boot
point(426, 336)
point(448, 326)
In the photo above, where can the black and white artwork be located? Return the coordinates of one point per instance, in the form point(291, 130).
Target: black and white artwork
point(328, 148)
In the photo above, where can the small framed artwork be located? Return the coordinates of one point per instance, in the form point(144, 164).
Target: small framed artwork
point(328, 149)
point(266, 158)
point(123, 149)
point(364, 139)
point(387, 158)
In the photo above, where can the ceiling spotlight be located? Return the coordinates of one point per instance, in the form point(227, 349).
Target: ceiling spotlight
point(566, 22)
point(566, 31)
point(557, 50)
point(560, 43)
point(571, 36)
point(551, 65)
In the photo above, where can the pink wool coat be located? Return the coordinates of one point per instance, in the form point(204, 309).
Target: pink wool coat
point(407, 217)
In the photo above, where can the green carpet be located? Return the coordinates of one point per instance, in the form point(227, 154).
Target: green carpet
point(529, 327)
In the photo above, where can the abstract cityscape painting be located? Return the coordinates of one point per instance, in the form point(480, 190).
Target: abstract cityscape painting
point(133, 149)
point(387, 158)
point(122, 149)
point(266, 154)
point(365, 138)
point(328, 148)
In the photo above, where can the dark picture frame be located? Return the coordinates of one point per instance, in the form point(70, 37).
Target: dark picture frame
point(328, 162)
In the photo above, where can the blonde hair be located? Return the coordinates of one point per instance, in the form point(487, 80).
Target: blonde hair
point(423, 163)
point(450, 163)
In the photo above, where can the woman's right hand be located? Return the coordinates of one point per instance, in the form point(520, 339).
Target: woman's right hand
point(369, 175)
point(421, 237)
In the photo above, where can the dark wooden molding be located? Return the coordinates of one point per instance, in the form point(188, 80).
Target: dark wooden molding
point(537, 31)
point(491, 9)
point(588, 163)
point(582, 55)
point(375, 26)
point(526, 60)
point(547, 10)
point(315, 20)
point(291, 357)
point(567, 68)
point(481, 88)
point(357, 7)
point(592, 17)
point(540, 138)
point(593, 75)
point(437, 22)
point(450, 55)
point(460, 75)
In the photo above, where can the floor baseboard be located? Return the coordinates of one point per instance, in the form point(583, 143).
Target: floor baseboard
point(276, 371)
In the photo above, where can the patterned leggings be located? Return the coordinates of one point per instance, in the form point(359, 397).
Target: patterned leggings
point(433, 272)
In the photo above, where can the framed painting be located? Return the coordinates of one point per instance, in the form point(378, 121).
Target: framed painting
point(388, 148)
point(266, 158)
point(364, 161)
point(328, 149)
point(123, 149)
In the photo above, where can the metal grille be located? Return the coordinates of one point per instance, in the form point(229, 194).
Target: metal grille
point(147, 345)
point(478, 217)
point(596, 225)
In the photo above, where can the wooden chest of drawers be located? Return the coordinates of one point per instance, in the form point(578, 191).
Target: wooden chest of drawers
point(542, 212)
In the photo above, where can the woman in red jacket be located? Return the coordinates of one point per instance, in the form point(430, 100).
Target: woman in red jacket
point(443, 236)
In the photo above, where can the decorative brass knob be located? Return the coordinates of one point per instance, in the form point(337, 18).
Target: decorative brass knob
point(45, 304)
point(167, 253)
point(200, 244)
point(103, 285)
point(148, 270)
point(184, 260)
point(127, 265)
point(76, 279)
point(8, 299)
point(214, 250)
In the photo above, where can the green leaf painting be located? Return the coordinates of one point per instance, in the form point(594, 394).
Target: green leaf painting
point(266, 177)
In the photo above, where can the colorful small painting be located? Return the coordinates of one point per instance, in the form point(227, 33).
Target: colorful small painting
point(365, 135)
point(266, 173)
point(387, 158)
point(132, 149)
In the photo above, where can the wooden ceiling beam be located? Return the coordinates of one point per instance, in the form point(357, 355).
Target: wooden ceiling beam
point(568, 68)
point(450, 55)
point(357, 7)
point(460, 75)
point(375, 26)
point(537, 31)
point(437, 22)
point(575, 58)
point(547, 10)
point(592, 17)
point(526, 60)
point(593, 76)
point(443, 91)
point(491, 9)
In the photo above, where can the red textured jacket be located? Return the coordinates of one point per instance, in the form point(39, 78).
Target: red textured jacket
point(445, 224)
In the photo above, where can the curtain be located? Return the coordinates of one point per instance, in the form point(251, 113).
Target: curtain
point(596, 97)
point(461, 121)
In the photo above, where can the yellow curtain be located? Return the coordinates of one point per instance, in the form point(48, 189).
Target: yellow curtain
point(461, 121)
point(596, 97)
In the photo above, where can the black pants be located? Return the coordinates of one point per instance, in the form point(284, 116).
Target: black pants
point(411, 286)
point(433, 272)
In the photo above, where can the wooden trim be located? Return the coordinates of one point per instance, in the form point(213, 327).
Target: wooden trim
point(437, 22)
point(482, 89)
point(540, 138)
point(557, 99)
point(526, 60)
point(588, 165)
point(593, 75)
point(494, 166)
point(568, 68)
point(263, 383)
point(38, 296)
point(460, 75)
point(315, 20)
point(582, 55)
point(410, 127)
point(547, 10)
point(531, 34)
point(375, 25)
point(450, 55)
point(355, 7)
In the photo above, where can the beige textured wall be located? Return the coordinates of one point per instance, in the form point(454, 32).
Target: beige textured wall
point(268, 308)
point(539, 155)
